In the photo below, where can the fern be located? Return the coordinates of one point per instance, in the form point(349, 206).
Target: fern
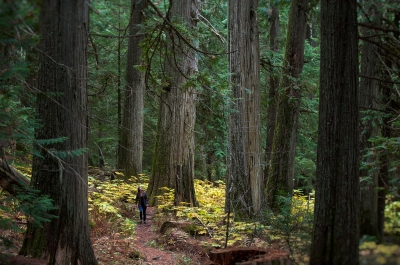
point(70, 153)
point(37, 208)
point(44, 142)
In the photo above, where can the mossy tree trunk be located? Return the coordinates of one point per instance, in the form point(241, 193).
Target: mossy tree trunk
point(244, 178)
point(131, 138)
point(62, 108)
point(337, 192)
point(281, 167)
point(173, 163)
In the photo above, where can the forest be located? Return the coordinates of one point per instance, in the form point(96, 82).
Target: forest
point(262, 131)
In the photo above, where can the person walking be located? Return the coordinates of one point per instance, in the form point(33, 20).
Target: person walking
point(142, 203)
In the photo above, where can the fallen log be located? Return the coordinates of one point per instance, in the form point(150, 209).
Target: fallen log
point(10, 178)
point(249, 256)
point(189, 226)
point(173, 224)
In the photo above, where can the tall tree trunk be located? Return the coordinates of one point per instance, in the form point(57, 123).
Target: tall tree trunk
point(281, 168)
point(244, 175)
point(337, 198)
point(62, 107)
point(274, 35)
point(173, 164)
point(130, 157)
point(369, 90)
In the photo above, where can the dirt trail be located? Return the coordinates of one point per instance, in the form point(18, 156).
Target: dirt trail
point(109, 248)
point(145, 243)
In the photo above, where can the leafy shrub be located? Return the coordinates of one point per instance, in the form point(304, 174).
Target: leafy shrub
point(392, 218)
point(292, 225)
point(209, 219)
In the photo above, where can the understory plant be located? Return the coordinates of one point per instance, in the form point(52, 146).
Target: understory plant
point(292, 225)
point(27, 204)
point(113, 202)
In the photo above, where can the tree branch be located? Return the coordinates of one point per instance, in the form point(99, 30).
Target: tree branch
point(179, 34)
point(380, 46)
point(378, 28)
point(380, 79)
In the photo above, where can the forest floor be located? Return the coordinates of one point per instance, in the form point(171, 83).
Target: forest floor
point(143, 248)
point(147, 246)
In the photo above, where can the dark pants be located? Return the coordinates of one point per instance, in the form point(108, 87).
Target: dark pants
point(143, 214)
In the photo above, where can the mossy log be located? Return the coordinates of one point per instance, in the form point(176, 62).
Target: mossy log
point(249, 256)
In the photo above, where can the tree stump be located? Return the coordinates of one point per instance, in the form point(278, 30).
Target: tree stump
point(249, 256)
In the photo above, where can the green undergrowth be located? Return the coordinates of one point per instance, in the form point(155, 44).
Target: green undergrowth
point(112, 202)
point(292, 225)
point(290, 229)
point(388, 252)
point(374, 253)
point(112, 210)
point(392, 218)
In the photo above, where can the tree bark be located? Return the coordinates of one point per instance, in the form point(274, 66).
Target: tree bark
point(281, 168)
point(274, 35)
point(173, 164)
point(369, 96)
point(337, 193)
point(130, 156)
point(60, 170)
point(244, 180)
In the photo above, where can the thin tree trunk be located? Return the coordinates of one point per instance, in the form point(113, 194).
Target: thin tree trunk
point(281, 168)
point(209, 160)
point(120, 149)
point(244, 175)
point(131, 150)
point(62, 107)
point(384, 161)
point(369, 90)
point(388, 107)
point(274, 35)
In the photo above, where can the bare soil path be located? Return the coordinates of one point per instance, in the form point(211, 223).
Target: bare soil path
point(145, 243)
point(141, 249)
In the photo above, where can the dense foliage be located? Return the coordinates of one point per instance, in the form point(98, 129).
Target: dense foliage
point(112, 200)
